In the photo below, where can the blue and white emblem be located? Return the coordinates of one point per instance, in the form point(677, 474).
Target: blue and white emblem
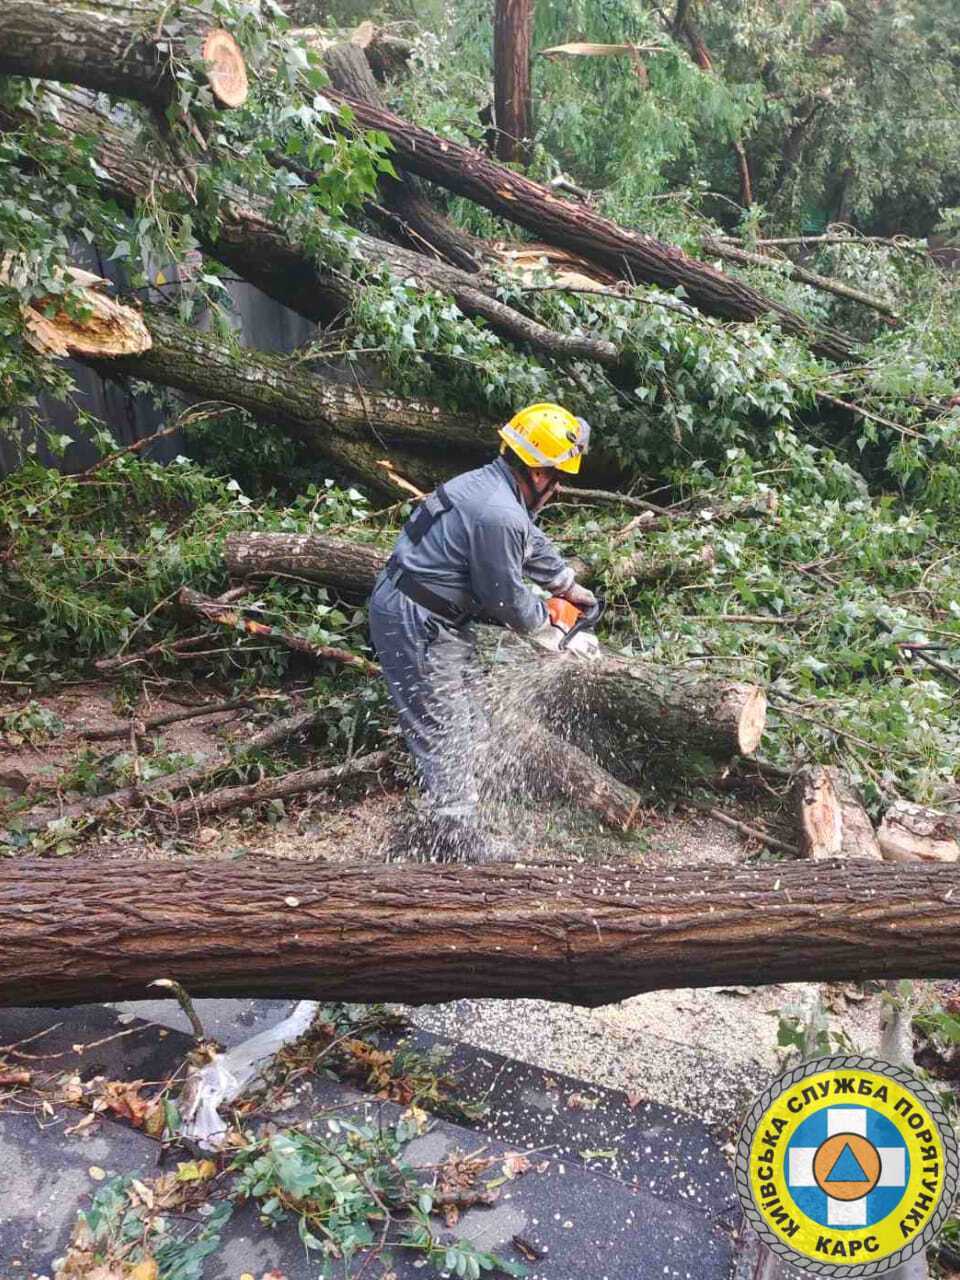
point(847, 1167)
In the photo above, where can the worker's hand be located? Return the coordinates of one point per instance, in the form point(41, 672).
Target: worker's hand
point(547, 638)
point(584, 645)
point(580, 596)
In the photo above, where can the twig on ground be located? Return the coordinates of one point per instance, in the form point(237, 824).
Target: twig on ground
point(172, 717)
point(745, 829)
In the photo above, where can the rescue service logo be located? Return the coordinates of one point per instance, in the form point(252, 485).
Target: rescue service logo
point(846, 1166)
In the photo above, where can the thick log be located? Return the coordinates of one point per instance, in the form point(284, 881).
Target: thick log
point(578, 227)
point(422, 934)
point(346, 566)
point(347, 424)
point(125, 50)
point(911, 833)
point(674, 709)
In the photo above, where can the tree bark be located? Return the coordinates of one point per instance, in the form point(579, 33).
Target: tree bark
point(911, 833)
point(120, 49)
point(422, 934)
point(349, 567)
point(512, 94)
point(629, 254)
point(351, 426)
point(674, 709)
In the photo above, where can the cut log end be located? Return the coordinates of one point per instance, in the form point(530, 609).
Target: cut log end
point(226, 69)
point(753, 719)
point(911, 833)
point(819, 814)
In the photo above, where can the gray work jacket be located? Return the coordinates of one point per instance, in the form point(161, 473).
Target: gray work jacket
point(482, 549)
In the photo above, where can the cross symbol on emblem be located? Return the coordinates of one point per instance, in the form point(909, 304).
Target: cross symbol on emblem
point(847, 1167)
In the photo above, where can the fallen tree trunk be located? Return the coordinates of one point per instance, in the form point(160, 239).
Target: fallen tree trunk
point(347, 424)
point(676, 708)
point(346, 566)
point(124, 50)
point(423, 934)
point(248, 241)
point(577, 227)
point(911, 833)
point(673, 708)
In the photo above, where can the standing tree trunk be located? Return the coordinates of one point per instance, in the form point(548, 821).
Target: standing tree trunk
point(422, 934)
point(513, 100)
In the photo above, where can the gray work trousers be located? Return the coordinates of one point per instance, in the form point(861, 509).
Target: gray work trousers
point(430, 668)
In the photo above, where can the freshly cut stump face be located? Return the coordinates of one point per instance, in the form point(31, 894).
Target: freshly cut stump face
point(226, 69)
point(753, 717)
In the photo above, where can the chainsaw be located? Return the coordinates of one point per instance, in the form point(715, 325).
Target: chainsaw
point(571, 620)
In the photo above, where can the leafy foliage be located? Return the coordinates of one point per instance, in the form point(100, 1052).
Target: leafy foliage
point(346, 1189)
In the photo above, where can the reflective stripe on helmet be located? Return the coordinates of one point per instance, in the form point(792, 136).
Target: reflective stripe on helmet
point(514, 436)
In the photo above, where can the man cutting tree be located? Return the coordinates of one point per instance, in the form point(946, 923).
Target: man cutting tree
point(462, 558)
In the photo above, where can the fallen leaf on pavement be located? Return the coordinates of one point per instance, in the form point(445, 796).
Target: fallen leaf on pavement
point(514, 1164)
point(145, 1270)
point(195, 1170)
point(96, 1173)
point(123, 1098)
point(83, 1124)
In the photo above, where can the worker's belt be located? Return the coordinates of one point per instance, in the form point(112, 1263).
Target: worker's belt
point(407, 584)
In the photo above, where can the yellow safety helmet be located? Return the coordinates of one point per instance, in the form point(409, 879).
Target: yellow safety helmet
point(547, 435)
